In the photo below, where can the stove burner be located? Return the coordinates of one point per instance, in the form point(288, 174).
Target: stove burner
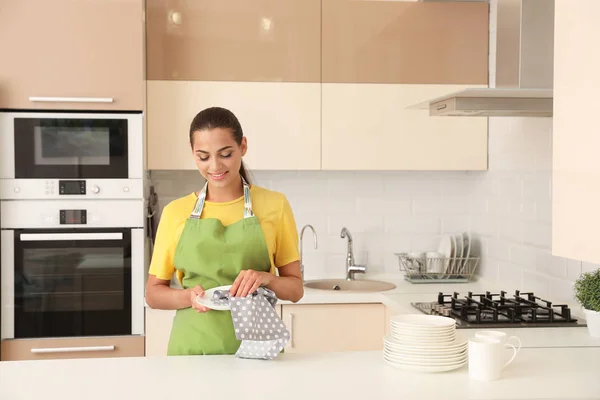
point(499, 310)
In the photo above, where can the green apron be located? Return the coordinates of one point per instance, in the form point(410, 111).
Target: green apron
point(210, 254)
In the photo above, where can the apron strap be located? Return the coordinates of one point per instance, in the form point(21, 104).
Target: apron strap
point(199, 206)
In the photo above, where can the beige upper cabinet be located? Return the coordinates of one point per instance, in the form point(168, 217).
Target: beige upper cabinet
point(576, 136)
point(234, 40)
point(281, 121)
point(370, 127)
point(66, 54)
point(405, 42)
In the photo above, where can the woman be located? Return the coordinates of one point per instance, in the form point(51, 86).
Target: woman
point(227, 233)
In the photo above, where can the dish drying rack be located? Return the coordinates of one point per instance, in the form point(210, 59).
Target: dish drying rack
point(437, 269)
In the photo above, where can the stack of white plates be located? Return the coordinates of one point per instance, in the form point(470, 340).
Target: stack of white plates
point(424, 343)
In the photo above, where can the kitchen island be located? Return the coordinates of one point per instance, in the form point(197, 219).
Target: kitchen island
point(536, 373)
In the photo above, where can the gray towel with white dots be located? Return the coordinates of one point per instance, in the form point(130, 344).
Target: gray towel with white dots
point(256, 323)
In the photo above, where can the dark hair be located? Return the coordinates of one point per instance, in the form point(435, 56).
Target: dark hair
point(218, 117)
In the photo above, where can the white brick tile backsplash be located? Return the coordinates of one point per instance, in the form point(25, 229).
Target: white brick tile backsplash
point(562, 290)
point(499, 250)
point(523, 256)
point(478, 205)
point(499, 206)
point(550, 265)
point(383, 206)
point(355, 223)
point(510, 187)
point(509, 230)
point(543, 211)
point(455, 224)
point(401, 186)
point(534, 281)
point(538, 189)
point(589, 267)
point(508, 272)
point(462, 186)
point(537, 234)
point(573, 269)
point(412, 224)
point(425, 243)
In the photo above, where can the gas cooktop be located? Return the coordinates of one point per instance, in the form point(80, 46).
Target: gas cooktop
point(499, 310)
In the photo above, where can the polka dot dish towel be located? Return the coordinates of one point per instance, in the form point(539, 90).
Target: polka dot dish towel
point(256, 324)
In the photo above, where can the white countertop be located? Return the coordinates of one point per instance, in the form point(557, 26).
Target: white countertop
point(559, 373)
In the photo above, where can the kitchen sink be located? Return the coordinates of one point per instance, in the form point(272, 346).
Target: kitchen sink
point(361, 285)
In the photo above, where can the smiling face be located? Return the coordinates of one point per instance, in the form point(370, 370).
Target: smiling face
point(218, 156)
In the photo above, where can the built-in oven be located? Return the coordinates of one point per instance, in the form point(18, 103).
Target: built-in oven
point(51, 155)
point(71, 268)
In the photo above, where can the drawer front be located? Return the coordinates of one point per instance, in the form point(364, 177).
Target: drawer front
point(48, 349)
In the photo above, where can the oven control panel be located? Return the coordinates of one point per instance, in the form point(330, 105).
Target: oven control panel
point(73, 217)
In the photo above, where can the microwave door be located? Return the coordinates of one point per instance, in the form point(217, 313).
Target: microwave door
point(72, 283)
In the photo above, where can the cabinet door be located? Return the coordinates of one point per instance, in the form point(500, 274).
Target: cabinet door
point(50, 349)
point(280, 120)
point(73, 54)
point(234, 40)
point(158, 331)
point(334, 327)
point(405, 42)
point(575, 135)
point(368, 127)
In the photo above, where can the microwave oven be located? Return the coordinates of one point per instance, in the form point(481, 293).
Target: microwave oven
point(74, 155)
point(71, 268)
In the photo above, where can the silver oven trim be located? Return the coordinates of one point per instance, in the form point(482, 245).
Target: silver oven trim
point(34, 237)
point(7, 275)
point(137, 282)
point(135, 140)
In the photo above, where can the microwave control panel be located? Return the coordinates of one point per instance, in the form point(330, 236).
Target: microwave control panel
point(71, 187)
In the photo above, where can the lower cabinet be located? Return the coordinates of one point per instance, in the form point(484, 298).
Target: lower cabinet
point(93, 347)
point(158, 330)
point(318, 328)
point(314, 328)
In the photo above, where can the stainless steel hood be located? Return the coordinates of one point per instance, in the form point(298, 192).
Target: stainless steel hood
point(523, 67)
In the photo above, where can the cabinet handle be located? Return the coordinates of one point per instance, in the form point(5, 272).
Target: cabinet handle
point(72, 349)
point(73, 99)
point(291, 330)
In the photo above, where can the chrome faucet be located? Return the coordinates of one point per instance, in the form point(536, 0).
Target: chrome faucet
point(302, 245)
point(351, 268)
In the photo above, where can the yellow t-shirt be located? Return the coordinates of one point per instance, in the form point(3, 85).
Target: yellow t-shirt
point(271, 208)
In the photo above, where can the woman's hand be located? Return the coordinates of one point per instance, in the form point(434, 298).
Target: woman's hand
point(195, 292)
point(248, 281)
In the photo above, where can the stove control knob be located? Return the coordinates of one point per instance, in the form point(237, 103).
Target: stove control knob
point(95, 189)
point(126, 189)
point(17, 189)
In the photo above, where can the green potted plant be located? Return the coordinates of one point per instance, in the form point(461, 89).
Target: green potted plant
point(587, 293)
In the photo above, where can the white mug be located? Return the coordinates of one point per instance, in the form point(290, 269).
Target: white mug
point(486, 360)
point(499, 335)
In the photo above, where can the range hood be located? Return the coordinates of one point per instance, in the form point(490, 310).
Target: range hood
point(524, 67)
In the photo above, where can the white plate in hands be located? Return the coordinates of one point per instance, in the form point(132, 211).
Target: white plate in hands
point(207, 301)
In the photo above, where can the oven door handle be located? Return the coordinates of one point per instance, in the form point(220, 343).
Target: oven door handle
point(37, 237)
